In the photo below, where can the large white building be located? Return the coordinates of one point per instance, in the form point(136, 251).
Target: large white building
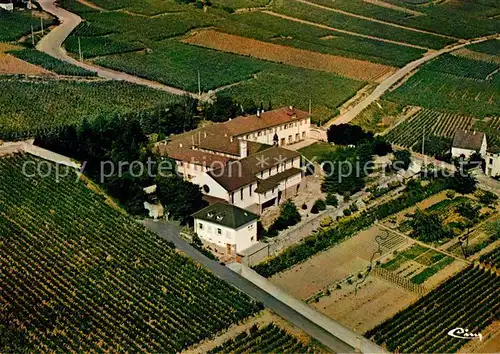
point(226, 226)
point(7, 5)
point(465, 143)
point(243, 161)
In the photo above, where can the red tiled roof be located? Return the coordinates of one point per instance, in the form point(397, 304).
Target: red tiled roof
point(186, 154)
point(247, 124)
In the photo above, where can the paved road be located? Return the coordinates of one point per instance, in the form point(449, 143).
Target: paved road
point(51, 44)
point(280, 308)
point(394, 78)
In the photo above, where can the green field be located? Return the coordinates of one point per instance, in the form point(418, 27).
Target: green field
point(79, 276)
point(16, 24)
point(451, 94)
point(316, 150)
point(362, 26)
point(491, 47)
point(467, 300)
point(177, 64)
point(46, 61)
point(464, 19)
point(282, 31)
point(284, 84)
point(27, 107)
point(462, 67)
point(238, 4)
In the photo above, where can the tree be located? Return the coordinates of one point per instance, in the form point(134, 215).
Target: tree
point(462, 182)
point(179, 198)
point(332, 200)
point(468, 211)
point(402, 160)
point(488, 198)
point(381, 147)
point(347, 134)
point(223, 109)
point(289, 216)
point(320, 204)
point(427, 226)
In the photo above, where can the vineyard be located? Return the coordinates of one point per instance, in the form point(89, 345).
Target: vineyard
point(449, 93)
point(79, 276)
point(46, 61)
point(351, 68)
point(409, 133)
point(462, 67)
point(467, 300)
point(361, 26)
point(65, 102)
point(16, 24)
point(266, 339)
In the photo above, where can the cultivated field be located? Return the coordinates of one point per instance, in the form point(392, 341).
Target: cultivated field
point(18, 23)
point(470, 54)
point(467, 300)
point(366, 306)
point(9, 64)
point(79, 275)
point(356, 69)
point(462, 67)
point(61, 103)
point(426, 121)
point(348, 258)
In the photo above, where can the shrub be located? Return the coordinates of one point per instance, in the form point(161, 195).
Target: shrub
point(354, 207)
point(304, 206)
point(450, 194)
point(332, 200)
point(326, 221)
point(320, 204)
point(314, 209)
point(347, 212)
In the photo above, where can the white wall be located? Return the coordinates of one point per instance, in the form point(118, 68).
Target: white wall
point(8, 7)
point(457, 152)
point(242, 237)
point(492, 164)
point(215, 189)
point(265, 136)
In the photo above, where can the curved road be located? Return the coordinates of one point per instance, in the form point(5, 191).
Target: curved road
point(394, 78)
point(51, 44)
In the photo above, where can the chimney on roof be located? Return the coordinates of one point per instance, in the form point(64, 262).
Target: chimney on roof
point(180, 145)
point(258, 113)
point(243, 148)
point(291, 108)
point(205, 135)
point(231, 139)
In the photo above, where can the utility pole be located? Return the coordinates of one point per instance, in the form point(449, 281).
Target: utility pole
point(80, 49)
point(32, 37)
point(41, 24)
point(199, 84)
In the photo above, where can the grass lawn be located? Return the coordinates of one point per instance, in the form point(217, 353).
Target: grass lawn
point(316, 150)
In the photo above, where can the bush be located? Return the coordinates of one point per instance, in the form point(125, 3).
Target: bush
point(320, 204)
point(326, 221)
point(347, 212)
point(450, 194)
point(354, 207)
point(289, 216)
point(488, 198)
point(304, 206)
point(314, 209)
point(332, 200)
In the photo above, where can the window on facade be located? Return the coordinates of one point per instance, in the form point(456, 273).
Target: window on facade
point(261, 174)
point(241, 193)
point(248, 136)
point(303, 135)
point(259, 133)
point(250, 190)
point(277, 169)
point(200, 226)
point(491, 161)
point(232, 197)
point(297, 136)
point(252, 238)
point(219, 231)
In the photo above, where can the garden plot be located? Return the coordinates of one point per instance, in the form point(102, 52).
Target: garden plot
point(352, 68)
point(326, 268)
point(373, 302)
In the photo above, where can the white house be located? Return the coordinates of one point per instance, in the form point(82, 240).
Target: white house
point(465, 143)
point(226, 226)
point(492, 160)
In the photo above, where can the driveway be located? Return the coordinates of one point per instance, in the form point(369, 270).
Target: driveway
point(335, 344)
